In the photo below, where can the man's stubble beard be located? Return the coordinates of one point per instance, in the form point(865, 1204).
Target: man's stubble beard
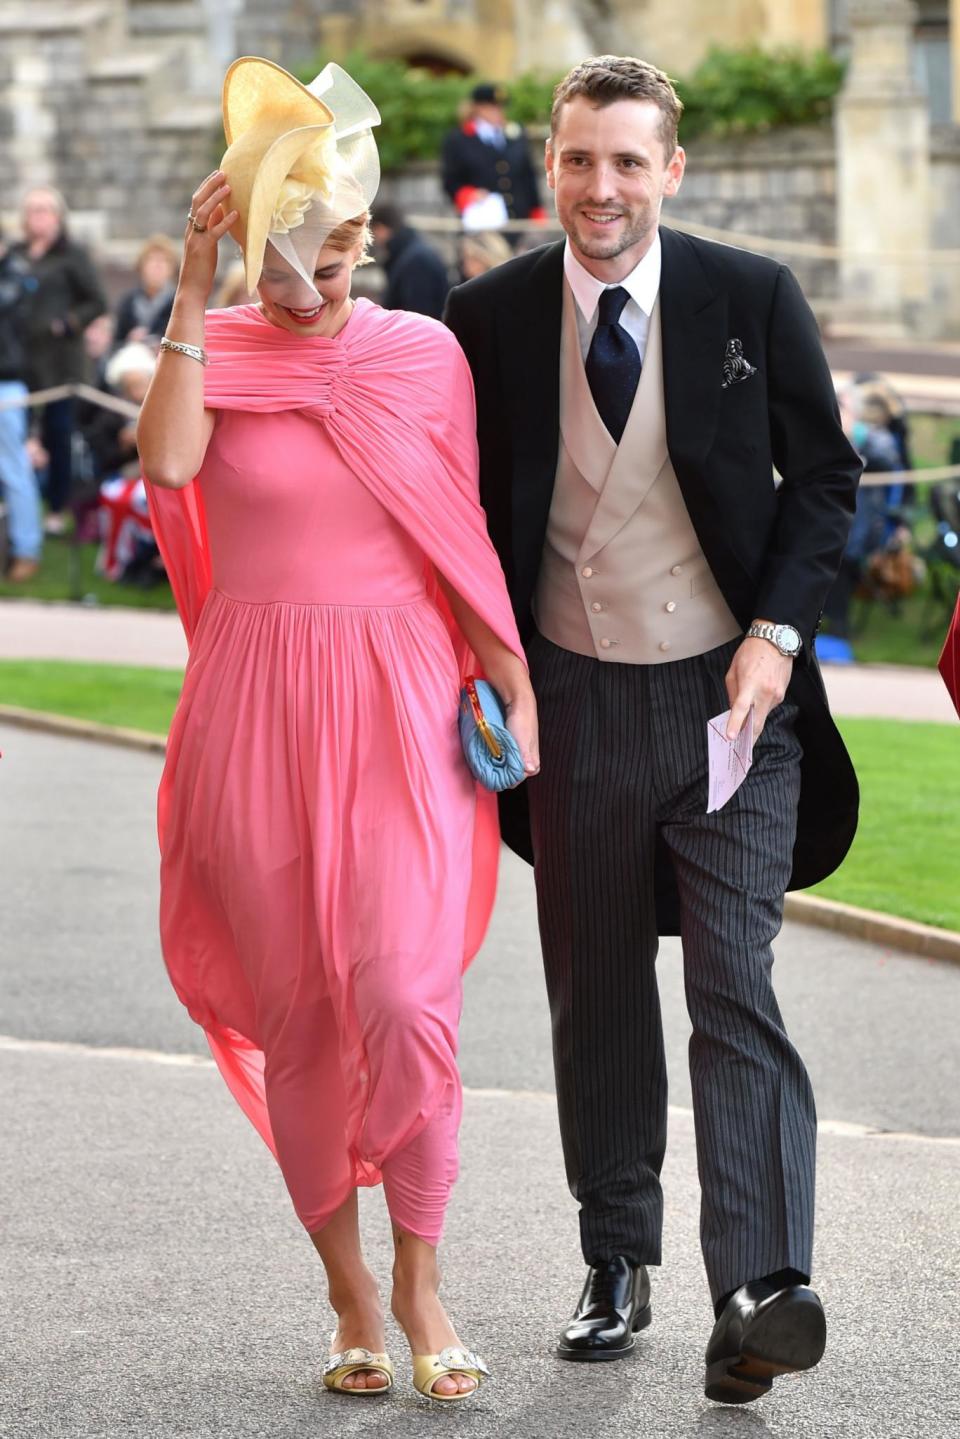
point(602, 249)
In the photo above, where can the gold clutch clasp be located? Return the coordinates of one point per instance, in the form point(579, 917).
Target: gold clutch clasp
point(480, 719)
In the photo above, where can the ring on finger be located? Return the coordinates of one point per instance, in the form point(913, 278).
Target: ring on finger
point(200, 229)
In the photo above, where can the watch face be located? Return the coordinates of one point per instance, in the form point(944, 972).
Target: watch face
point(786, 639)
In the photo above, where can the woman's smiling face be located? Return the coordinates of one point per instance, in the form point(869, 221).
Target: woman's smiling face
point(288, 301)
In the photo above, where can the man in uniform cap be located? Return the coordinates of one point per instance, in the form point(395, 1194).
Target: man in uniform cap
point(490, 156)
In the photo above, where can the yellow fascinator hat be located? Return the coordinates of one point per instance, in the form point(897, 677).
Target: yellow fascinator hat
point(300, 160)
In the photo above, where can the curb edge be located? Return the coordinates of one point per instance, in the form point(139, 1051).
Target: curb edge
point(69, 728)
point(921, 941)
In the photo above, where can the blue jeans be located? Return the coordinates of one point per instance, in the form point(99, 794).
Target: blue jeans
point(17, 480)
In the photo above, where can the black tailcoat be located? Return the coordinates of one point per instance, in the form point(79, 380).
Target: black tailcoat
point(774, 550)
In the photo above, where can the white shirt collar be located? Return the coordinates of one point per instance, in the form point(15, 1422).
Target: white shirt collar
point(642, 284)
point(489, 133)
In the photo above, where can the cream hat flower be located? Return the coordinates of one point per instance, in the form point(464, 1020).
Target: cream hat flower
point(293, 202)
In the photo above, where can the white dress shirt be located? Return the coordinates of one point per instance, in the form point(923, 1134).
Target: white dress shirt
point(490, 134)
point(642, 285)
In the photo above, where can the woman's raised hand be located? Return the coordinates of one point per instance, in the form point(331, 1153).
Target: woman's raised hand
point(209, 220)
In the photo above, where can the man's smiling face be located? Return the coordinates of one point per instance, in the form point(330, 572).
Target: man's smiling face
point(609, 173)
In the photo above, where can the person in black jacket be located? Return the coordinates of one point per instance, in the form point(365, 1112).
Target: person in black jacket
point(18, 485)
point(417, 277)
point(636, 390)
point(490, 155)
point(64, 295)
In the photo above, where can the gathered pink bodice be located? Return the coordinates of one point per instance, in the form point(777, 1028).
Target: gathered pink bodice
point(278, 533)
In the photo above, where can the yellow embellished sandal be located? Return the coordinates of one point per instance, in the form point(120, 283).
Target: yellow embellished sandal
point(338, 1366)
point(428, 1368)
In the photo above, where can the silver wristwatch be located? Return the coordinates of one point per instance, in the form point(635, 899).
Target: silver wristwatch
point(785, 637)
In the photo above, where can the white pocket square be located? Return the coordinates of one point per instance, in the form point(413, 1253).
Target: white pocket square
point(736, 366)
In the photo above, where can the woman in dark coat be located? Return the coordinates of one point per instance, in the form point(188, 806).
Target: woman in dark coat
point(63, 295)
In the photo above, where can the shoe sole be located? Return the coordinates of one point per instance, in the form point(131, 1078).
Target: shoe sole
point(599, 1356)
point(788, 1338)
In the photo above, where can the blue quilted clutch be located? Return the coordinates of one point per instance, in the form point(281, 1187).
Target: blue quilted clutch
point(492, 753)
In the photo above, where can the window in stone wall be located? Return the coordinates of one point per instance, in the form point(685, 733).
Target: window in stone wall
point(931, 57)
point(931, 50)
point(839, 27)
point(405, 12)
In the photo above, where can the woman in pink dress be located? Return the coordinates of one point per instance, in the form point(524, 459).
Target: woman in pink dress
point(328, 863)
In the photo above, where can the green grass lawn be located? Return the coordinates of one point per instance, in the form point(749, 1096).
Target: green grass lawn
point(67, 574)
point(125, 695)
point(911, 636)
point(904, 860)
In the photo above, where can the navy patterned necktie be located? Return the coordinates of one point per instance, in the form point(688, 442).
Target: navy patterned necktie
point(613, 363)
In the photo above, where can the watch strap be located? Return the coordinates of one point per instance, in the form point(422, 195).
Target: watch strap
point(762, 631)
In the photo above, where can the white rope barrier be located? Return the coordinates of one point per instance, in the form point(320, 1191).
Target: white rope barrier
point(130, 411)
point(912, 477)
point(741, 239)
point(80, 392)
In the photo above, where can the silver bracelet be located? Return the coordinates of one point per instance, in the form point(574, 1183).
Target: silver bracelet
point(194, 351)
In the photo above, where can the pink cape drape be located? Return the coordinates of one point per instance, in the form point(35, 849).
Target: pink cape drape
point(949, 662)
point(395, 396)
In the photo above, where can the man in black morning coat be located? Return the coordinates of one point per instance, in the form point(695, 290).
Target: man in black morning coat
point(636, 391)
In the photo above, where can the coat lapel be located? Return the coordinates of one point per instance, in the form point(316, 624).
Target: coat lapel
point(641, 454)
point(589, 443)
point(694, 328)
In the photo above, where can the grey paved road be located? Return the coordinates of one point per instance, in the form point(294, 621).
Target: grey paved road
point(156, 1283)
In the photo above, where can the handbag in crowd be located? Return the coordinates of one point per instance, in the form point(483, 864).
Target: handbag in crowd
point(492, 753)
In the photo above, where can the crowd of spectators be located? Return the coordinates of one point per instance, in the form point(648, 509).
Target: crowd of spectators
point(67, 463)
point(879, 562)
point(58, 331)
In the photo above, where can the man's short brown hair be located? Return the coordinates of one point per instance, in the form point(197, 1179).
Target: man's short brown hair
point(603, 79)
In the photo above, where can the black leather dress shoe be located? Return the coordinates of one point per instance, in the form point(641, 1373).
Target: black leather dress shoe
point(763, 1331)
point(614, 1306)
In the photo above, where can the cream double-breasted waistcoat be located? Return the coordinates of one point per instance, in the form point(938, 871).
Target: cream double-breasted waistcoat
point(623, 576)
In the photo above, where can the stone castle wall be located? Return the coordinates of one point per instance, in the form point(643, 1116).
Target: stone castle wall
point(115, 102)
point(781, 186)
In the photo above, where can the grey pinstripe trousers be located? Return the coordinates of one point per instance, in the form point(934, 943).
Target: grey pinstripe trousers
point(623, 750)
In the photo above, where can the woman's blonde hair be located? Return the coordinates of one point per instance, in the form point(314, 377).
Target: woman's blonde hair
point(487, 247)
point(232, 289)
point(352, 233)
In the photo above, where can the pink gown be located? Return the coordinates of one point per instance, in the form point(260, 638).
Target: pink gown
point(327, 863)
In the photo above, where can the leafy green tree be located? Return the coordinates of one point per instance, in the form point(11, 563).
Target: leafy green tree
point(731, 92)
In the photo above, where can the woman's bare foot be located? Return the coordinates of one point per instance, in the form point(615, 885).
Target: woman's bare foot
point(417, 1308)
point(360, 1326)
point(353, 1292)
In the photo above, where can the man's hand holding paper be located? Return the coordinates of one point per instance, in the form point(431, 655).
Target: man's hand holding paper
point(757, 679)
